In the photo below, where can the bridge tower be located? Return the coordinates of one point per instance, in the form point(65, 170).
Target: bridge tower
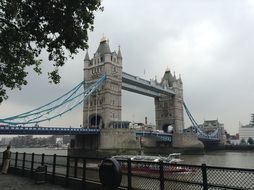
point(169, 109)
point(105, 105)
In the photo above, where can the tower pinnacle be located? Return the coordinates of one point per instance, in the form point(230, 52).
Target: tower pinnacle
point(87, 57)
point(119, 54)
point(103, 39)
point(103, 47)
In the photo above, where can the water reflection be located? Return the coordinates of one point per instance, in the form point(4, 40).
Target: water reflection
point(222, 158)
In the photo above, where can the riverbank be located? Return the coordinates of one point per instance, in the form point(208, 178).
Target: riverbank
point(239, 147)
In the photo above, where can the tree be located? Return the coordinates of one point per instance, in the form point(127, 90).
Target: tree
point(28, 26)
point(242, 141)
point(250, 140)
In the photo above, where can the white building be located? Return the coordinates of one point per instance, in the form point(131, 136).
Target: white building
point(247, 131)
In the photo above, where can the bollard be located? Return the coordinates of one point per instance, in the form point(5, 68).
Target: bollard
point(110, 174)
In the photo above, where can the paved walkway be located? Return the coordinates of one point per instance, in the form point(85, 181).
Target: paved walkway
point(13, 182)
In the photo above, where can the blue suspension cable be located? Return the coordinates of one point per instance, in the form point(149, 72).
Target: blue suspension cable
point(200, 132)
point(26, 113)
point(39, 114)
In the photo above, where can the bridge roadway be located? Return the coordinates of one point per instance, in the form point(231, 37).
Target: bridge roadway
point(148, 88)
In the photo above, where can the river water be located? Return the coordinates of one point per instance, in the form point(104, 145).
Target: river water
point(212, 158)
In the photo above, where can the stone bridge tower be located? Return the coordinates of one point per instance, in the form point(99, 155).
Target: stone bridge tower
point(105, 105)
point(169, 109)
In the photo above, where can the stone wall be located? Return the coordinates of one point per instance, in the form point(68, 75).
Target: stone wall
point(118, 139)
point(110, 142)
point(186, 140)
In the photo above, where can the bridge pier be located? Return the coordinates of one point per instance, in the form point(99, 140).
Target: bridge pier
point(181, 142)
point(109, 142)
point(187, 141)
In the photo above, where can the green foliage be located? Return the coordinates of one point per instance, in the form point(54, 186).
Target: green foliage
point(28, 26)
point(242, 141)
point(250, 140)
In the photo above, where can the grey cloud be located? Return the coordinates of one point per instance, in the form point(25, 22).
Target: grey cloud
point(210, 43)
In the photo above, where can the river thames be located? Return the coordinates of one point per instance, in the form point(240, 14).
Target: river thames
point(212, 158)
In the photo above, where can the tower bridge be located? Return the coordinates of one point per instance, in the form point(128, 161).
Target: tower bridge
point(105, 106)
point(102, 106)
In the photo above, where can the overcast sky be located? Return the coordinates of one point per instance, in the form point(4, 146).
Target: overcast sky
point(210, 43)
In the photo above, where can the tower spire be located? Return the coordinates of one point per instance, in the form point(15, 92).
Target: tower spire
point(119, 54)
point(103, 47)
point(87, 57)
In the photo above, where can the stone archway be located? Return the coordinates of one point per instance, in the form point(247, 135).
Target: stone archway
point(170, 124)
point(96, 121)
point(165, 127)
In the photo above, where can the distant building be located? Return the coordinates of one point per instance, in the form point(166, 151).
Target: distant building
point(234, 139)
point(210, 125)
point(59, 140)
point(5, 141)
point(119, 124)
point(247, 131)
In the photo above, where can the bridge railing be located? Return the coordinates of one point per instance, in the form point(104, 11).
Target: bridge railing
point(6, 129)
point(136, 174)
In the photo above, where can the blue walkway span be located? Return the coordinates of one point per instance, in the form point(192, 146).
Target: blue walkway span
point(167, 137)
point(24, 130)
point(11, 130)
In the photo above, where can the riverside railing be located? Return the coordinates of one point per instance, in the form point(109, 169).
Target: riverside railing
point(136, 174)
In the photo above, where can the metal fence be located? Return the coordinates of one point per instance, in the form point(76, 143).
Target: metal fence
point(139, 175)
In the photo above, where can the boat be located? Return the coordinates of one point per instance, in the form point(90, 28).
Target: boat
point(143, 164)
point(62, 147)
